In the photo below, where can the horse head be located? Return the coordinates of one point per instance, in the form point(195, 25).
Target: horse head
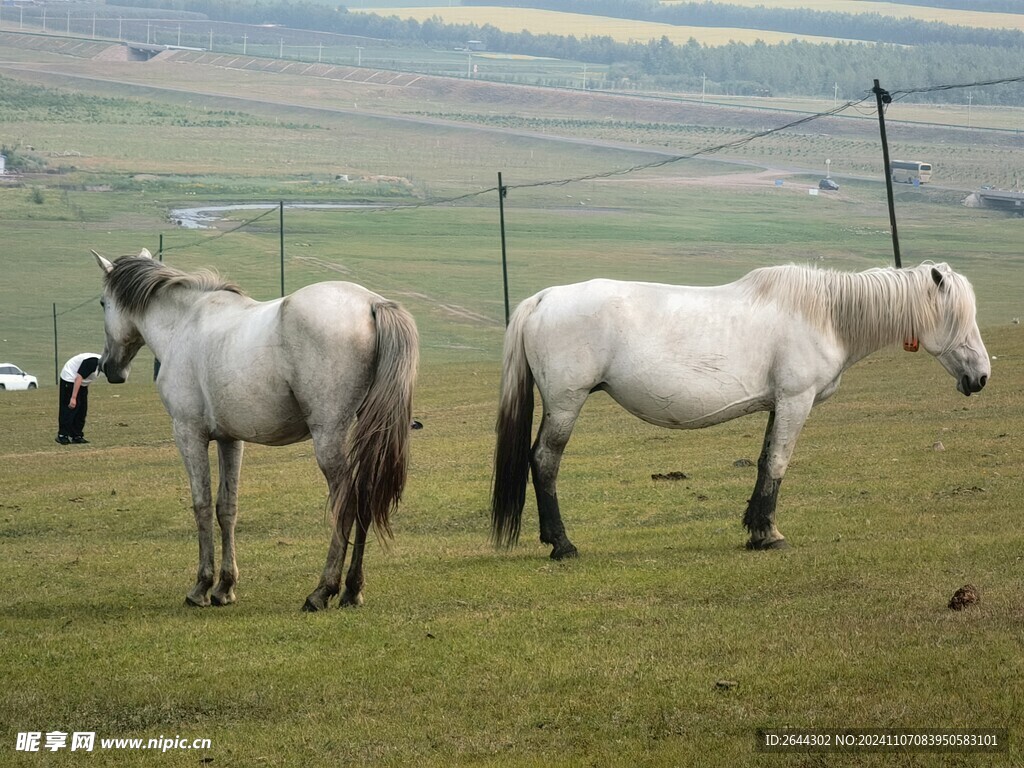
point(123, 340)
point(954, 338)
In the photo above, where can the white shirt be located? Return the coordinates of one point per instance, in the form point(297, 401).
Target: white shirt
point(70, 370)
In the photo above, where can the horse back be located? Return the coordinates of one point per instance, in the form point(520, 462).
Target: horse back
point(264, 371)
point(598, 324)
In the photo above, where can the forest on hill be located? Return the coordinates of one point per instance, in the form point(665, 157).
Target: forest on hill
point(910, 53)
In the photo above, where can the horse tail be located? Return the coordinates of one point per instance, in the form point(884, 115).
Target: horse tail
point(514, 428)
point(379, 444)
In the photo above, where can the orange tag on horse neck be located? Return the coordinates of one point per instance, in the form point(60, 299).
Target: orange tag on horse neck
point(911, 345)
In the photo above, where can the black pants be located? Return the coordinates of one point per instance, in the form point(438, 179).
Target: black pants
point(72, 420)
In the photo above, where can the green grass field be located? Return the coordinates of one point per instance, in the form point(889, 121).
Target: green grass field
point(463, 655)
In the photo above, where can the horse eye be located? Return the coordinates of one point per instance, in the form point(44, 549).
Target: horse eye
point(103, 303)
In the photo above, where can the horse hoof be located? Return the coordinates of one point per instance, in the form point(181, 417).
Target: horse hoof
point(563, 552)
point(311, 607)
point(762, 545)
point(191, 602)
point(351, 602)
point(220, 602)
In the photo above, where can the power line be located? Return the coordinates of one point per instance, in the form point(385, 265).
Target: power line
point(904, 92)
point(698, 153)
point(77, 306)
point(661, 162)
point(856, 105)
point(193, 244)
point(205, 240)
point(635, 168)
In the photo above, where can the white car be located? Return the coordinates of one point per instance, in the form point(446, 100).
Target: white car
point(12, 377)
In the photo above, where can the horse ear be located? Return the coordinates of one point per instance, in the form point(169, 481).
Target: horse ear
point(937, 277)
point(145, 254)
point(105, 265)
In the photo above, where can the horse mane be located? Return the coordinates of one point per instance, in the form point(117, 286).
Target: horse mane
point(870, 309)
point(136, 280)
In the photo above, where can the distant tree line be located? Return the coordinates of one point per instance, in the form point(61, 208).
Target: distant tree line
point(845, 70)
point(871, 27)
point(793, 68)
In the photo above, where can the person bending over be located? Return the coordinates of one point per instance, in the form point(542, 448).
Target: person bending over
point(76, 376)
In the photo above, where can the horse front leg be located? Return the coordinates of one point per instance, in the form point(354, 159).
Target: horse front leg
point(230, 461)
point(784, 425)
point(194, 450)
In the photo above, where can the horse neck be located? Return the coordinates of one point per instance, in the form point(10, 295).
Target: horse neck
point(875, 309)
point(165, 319)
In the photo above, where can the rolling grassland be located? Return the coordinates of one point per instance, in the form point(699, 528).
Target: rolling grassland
point(665, 643)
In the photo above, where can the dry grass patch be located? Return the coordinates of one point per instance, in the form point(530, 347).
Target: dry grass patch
point(582, 25)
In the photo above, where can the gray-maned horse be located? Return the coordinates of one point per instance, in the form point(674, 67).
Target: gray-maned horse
point(236, 370)
point(777, 340)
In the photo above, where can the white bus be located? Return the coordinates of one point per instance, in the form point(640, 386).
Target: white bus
point(910, 170)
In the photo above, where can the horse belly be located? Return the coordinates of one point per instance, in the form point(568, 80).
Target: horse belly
point(683, 408)
point(274, 421)
point(278, 434)
point(269, 434)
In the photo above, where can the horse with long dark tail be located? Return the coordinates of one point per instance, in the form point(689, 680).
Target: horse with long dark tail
point(776, 340)
point(378, 457)
point(514, 429)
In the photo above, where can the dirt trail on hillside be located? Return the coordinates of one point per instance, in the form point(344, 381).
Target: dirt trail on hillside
point(453, 310)
point(766, 178)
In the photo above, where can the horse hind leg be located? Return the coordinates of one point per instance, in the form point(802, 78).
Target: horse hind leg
point(354, 581)
point(546, 458)
point(230, 457)
point(330, 453)
point(330, 580)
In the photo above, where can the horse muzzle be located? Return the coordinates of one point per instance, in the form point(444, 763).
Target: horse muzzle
point(114, 374)
point(968, 386)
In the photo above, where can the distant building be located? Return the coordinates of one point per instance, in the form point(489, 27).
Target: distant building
point(475, 45)
point(3, 165)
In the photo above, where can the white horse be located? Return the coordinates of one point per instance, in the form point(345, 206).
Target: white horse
point(233, 369)
point(777, 340)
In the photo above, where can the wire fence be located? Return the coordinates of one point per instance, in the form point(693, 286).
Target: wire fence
point(859, 105)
